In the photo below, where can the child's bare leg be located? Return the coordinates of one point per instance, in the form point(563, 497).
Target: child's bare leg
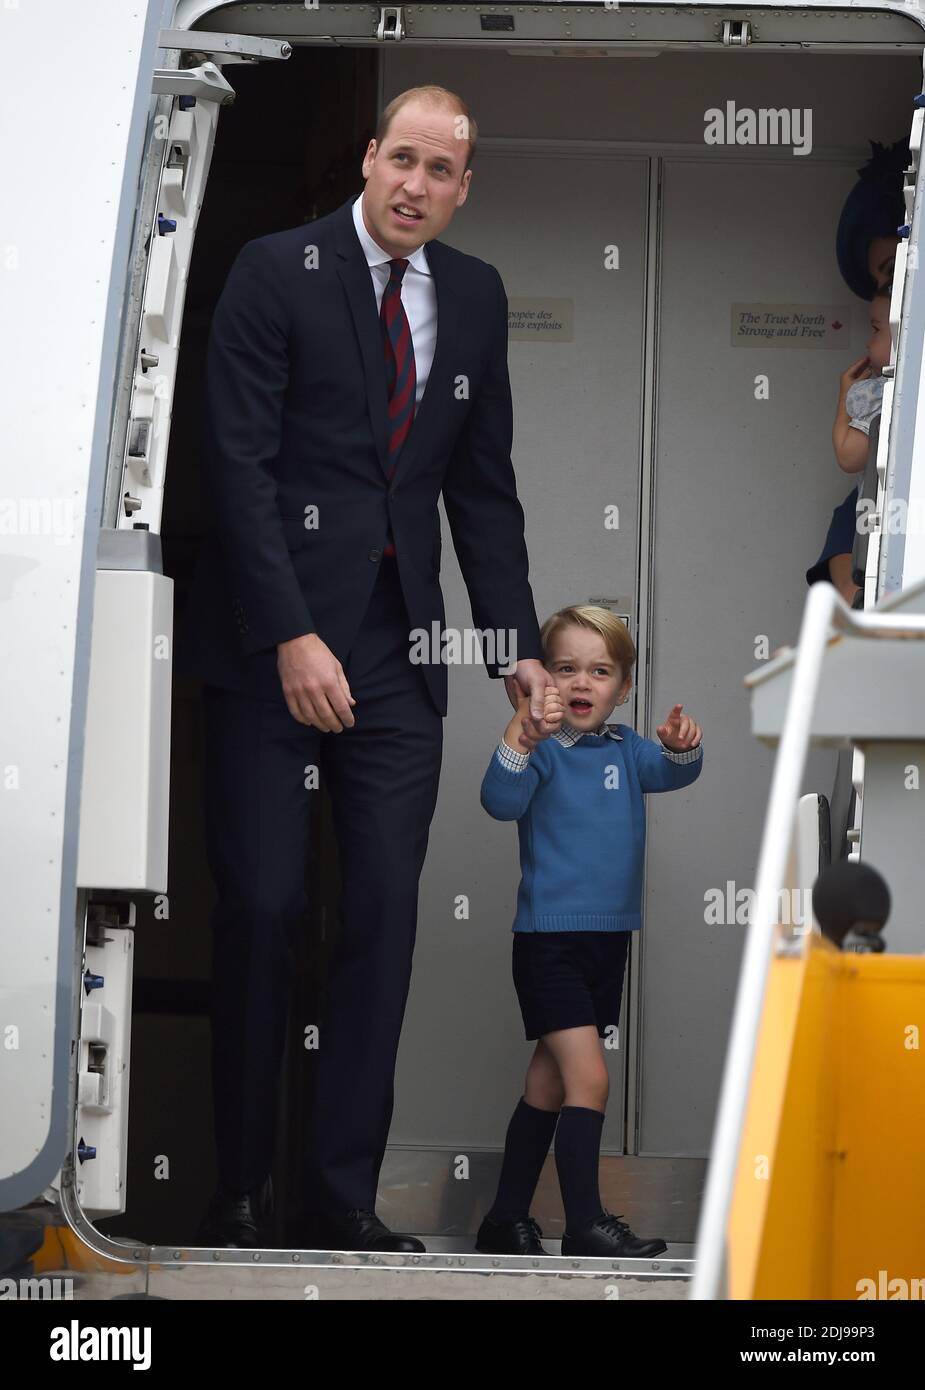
point(543, 1087)
point(580, 1059)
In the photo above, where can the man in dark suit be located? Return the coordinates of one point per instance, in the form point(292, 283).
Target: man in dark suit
point(324, 459)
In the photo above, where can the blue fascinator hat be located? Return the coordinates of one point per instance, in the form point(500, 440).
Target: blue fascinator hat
point(874, 208)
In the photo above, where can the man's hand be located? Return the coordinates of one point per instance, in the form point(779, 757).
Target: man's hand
point(679, 732)
point(314, 684)
point(530, 680)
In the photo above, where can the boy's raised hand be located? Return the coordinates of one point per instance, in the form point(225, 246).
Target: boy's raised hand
point(860, 370)
point(522, 732)
point(679, 732)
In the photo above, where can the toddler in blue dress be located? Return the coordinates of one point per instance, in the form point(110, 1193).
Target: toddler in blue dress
point(860, 397)
point(860, 389)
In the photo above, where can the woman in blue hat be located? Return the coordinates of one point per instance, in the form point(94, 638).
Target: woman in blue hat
point(865, 246)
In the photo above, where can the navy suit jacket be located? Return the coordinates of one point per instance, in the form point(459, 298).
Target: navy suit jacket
point(295, 429)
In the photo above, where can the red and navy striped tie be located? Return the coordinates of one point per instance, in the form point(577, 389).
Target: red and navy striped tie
point(401, 377)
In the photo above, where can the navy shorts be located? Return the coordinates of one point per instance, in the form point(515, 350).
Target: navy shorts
point(569, 979)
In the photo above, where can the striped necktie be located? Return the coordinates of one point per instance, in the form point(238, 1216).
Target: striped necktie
point(401, 377)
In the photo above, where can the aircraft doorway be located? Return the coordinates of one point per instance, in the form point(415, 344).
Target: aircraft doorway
point(639, 402)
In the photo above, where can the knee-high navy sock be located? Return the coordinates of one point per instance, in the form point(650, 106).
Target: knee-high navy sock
point(578, 1151)
point(529, 1134)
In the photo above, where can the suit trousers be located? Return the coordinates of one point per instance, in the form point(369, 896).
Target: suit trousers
point(383, 776)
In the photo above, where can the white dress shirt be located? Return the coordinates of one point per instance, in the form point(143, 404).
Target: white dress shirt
point(418, 295)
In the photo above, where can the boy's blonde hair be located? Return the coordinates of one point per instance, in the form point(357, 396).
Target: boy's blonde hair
point(615, 634)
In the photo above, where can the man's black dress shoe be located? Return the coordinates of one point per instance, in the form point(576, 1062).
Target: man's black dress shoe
point(612, 1238)
point(352, 1230)
point(519, 1235)
point(238, 1222)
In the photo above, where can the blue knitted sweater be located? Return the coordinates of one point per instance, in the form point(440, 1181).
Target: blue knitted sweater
point(581, 821)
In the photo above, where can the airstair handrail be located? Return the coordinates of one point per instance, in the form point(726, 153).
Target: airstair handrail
point(824, 608)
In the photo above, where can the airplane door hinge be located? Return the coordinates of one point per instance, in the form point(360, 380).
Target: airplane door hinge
point(203, 55)
point(224, 48)
point(203, 83)
point(736, 33)
point(390, 23)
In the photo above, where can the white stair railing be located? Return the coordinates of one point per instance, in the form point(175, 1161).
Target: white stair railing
point(824, 609)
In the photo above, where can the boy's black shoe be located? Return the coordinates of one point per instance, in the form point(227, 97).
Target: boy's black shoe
point(612, 1238)
point(238, 1222)
point(518, 1236)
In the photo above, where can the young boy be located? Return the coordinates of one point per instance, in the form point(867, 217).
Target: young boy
point(577, 798)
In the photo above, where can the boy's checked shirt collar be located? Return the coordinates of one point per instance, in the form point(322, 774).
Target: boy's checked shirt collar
point(516, 761)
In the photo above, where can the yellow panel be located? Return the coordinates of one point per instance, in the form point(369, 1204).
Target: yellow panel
point(830, 1185)
point(795, 1260)
point(880, 1177)
point(787, 1134)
